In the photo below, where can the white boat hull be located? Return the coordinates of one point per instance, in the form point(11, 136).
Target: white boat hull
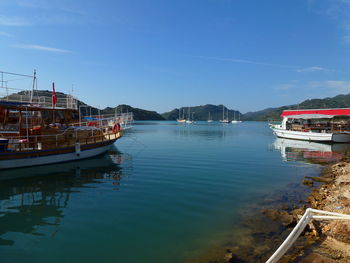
point(50, 159)
point(312, 136)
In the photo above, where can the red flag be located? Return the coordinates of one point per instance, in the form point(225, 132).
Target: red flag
point(54, 98)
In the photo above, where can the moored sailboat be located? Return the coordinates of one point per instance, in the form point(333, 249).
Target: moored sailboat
point(224, 120)
point(234, 118)
point(209, 119)
point(181, 119)
point(189, 121)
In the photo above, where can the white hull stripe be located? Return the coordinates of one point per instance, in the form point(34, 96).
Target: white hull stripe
point(56, 158)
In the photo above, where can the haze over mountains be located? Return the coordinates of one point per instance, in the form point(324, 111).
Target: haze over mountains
point(201, 113)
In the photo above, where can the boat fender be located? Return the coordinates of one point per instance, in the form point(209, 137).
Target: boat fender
point(77, 148)
point(92, 124)
point(114, 129)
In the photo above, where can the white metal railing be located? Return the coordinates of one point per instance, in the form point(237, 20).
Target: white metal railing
point(32, 95)
point(67, 102)
point(299, 228)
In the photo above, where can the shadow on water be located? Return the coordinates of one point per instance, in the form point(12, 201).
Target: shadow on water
point(37, 196)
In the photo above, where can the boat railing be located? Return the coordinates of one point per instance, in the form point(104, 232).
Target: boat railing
point(63, 101)
point(124, 119)
point(320, 128)
point(30, 94)
point(68, 138)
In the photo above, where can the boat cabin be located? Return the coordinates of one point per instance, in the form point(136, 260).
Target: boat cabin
point(321, 121)
point(22, 119)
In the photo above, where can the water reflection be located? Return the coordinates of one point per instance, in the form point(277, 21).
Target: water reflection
point(311, 152)
point(39, 198)
point(207, 131)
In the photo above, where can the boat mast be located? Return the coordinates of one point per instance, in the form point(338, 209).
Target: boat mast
point(34, 81)
point(223, 112)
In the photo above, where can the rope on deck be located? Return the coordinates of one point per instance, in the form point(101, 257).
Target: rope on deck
point(298, 229)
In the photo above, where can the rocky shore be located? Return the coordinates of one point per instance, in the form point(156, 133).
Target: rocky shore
point(332, 238)
point(322, 241)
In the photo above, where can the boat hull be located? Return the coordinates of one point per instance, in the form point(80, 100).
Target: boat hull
point(312, 136)
point(26, 159)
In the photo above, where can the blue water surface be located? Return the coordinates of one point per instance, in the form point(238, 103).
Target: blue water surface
point(165, 193)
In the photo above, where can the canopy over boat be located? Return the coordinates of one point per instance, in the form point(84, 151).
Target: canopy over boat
point(316, 113)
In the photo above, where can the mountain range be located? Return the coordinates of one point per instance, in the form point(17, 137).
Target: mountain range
point(201, 113)
point(339, 101)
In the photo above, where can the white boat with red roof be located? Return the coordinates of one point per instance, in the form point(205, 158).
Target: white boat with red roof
point(322, 125)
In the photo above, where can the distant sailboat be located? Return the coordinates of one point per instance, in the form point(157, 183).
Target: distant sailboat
point(223, 116)
point(234, 118)
point(189, 121)
point(181, 120)
point(209, 119)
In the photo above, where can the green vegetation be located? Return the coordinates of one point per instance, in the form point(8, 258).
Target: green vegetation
point(340, 101)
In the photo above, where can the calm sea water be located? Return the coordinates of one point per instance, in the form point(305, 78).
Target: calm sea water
point(166, 193)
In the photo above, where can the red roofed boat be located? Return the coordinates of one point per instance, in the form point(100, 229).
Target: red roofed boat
point(322, 125)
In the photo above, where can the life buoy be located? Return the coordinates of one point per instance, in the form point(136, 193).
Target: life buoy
point(114, 129)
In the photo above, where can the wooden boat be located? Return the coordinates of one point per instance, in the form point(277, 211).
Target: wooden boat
point(181, 119)
point(44, 130)
point(323, 125)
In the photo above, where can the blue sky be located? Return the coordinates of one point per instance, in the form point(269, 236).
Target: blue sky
point(162, 54)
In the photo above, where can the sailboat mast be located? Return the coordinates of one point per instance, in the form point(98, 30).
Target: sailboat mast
point(223, 112)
